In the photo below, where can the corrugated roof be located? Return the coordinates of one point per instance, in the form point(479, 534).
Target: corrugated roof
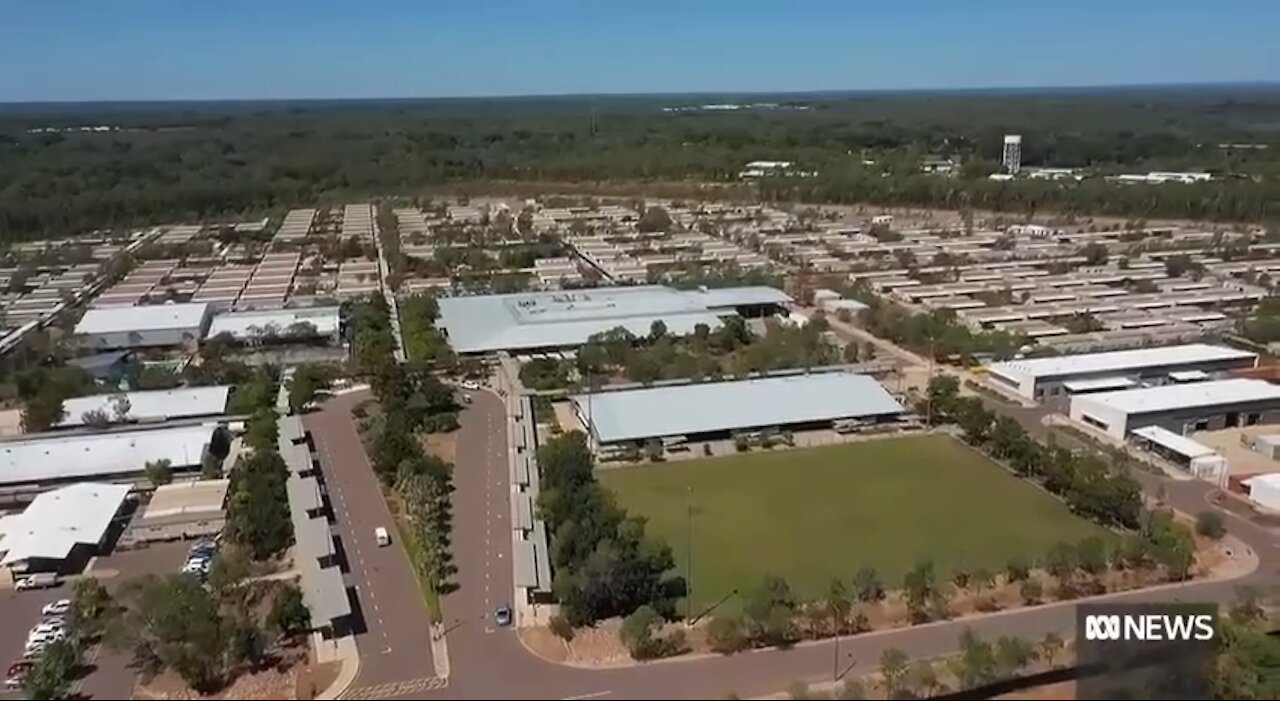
point(145, 318)
point(1189, 396)
point(523, 562)
point(56, 521)
point(1119, 361)
point(565, 318)
point(151, 405)
point(721, 406)
point(1179, 444)
point(249, 324)
point(60, 457)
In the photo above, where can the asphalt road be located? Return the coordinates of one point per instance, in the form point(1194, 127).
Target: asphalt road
point(491, 663)
point(395, 640)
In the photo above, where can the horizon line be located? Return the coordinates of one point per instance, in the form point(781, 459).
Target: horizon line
point(1266, 84)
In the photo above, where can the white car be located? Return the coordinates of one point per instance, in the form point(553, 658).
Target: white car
point(56, 608)
point(47, 627)
point(470, 384)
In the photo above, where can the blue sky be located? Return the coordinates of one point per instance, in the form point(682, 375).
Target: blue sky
point(219, 49)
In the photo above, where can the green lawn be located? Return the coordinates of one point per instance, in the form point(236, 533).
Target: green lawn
point(810, 515)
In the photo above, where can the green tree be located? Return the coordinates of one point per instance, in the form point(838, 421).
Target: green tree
point(893, 667)
point(868, 586)
point(1012, 655)
point(1049, 647)
point(727, 634)
point(43, 411)
point(159, 472)
point(926, 678)
point(977, 662)
point(50, 676)
point(638, 633)
point(1092, 553)
point(1016, 569)
point(306, 384)
point(1210, 525)
point(838, 604)
point(1060, 562)
point(920, 585)
point(91, 606)
point(1031, 591)
point(654, 219)
point(769, 612)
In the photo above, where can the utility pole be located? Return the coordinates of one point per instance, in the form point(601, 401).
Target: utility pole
point(835, 649)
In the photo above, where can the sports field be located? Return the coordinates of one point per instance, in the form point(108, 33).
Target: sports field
point(813, 514)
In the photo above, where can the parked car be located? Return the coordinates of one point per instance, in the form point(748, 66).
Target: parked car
point(56, 608)
point(502, 616)
point(382, 537)
point(17, 673)
point(470, 384)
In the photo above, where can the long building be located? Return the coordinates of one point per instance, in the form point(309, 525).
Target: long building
point(148, 406)
point(1180, 408)
point(1038, 378)
point(716, 409)
point(563, 319)
point(155, 326)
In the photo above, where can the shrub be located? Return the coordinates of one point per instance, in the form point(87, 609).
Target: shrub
point(1210, 525)
point(561, 627)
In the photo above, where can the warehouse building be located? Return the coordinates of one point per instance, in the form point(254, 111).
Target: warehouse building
point(180, 511)
point(41, 462)
point(1038, 378)
point(146, 406)
point(564, 319)
point(60, 529)
point(1180, 408)
point(155, 326)
point(715, 410)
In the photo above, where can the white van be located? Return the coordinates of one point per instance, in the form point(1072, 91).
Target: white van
point(381, 535)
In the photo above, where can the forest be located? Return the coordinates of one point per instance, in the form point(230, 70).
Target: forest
point(160, 162)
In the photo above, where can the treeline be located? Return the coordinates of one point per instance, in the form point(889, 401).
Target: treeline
point(408, 401)
point(604, 563)
point(937, 332)
point(257, 503)
point(1092, 487)
point(729, 351)
point(234, 162)
point(423, 342)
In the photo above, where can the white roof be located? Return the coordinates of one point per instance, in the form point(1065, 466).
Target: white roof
point(244, 324)
point(739, 404)
point(1179, 444)
point(1190, 396)
point(56, 521)
point(62, 457)
point(1119, 361)
point(1098, 384)
point(153, 405)
point(1189, 375)
point(146, 318)
point(1270, 479)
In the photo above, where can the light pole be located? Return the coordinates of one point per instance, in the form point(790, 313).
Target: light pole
point(688, 560)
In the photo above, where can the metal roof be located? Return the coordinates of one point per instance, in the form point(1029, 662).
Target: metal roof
point(59, 457)
point(569, 317)
point(254, 323)
point(523, 562)
point(1098, 384)
point(1189, 396)
point(740, 404)
point(56, 521)
point(1179, 444)
point(155, 317)
point(1119, 361)
point(152, 405)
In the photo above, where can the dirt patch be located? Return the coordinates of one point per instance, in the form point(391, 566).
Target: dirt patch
point(442, 445)
point(545, 644)
point(278, 681)
point(600, 645)
point(315, 678)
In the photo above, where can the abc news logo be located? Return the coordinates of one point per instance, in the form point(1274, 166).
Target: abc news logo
point(1151, 627)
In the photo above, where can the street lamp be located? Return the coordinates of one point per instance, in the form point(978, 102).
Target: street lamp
point(688, 562)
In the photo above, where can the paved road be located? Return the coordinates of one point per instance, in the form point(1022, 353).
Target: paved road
point(486, 665)
point(395, 643)
point(489, 663)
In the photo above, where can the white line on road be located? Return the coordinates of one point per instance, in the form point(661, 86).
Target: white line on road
point(596, 695)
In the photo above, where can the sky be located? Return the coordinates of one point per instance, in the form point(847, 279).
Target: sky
point(65, 50)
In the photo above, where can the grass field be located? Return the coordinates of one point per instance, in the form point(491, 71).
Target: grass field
point(810, 515)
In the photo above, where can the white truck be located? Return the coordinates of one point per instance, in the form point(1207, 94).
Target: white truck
point(381, 535)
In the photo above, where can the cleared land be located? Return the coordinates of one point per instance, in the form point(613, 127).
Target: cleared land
point(810, 515)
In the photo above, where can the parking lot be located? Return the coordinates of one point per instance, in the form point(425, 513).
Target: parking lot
point(109, 675)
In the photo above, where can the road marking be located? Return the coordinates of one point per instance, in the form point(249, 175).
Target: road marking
point(596, 695)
